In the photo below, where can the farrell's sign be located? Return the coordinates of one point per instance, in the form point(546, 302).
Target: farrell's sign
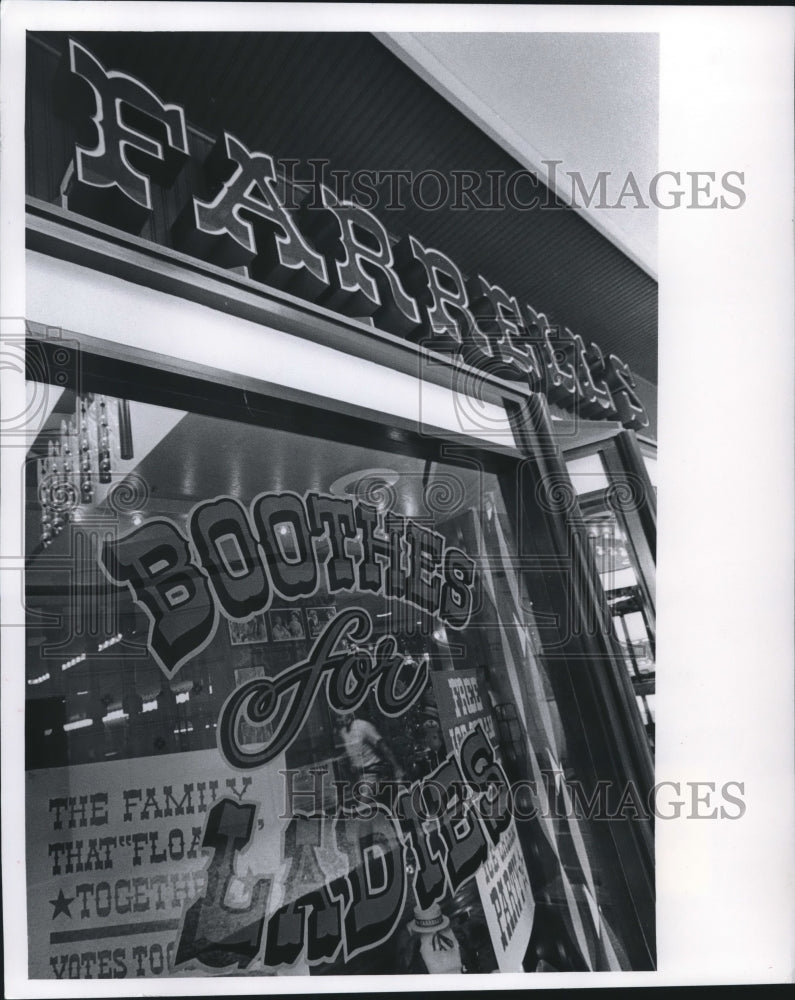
point(330, 251)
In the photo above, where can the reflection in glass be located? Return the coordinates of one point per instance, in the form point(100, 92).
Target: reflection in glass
point(96, 694)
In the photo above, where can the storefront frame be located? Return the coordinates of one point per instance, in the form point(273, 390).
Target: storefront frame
point(605, 693)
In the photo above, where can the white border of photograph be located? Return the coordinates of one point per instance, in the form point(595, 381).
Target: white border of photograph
point(725, 577)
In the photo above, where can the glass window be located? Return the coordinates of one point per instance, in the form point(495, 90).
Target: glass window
point(614, 558)
point(587, 473)
point(608, 493)
point(277, 685)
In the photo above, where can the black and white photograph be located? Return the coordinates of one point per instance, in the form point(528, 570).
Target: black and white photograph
point(351, 358)
point(254, 630)
point(287, 625)
point(317, 618)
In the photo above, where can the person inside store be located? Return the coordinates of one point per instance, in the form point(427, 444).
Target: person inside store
point(368, 756)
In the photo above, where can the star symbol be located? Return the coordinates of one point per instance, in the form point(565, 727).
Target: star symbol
point(61, 904)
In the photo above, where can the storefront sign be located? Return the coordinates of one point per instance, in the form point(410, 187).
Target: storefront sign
point(330, 251)
point(503, 881)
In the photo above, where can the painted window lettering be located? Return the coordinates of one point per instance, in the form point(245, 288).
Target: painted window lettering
point(234, 561)
point(353, 913)
point(285, 700)
point(394, 628)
